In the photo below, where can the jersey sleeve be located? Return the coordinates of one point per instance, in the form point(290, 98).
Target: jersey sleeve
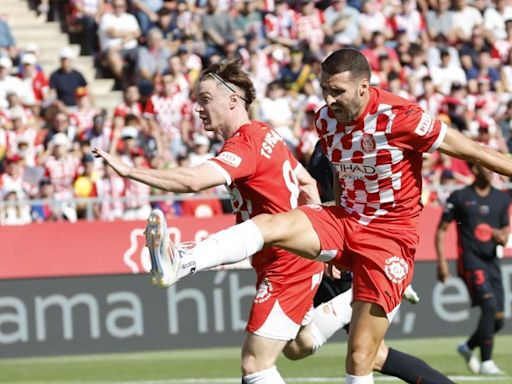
point(236, 160)
point(449, 208)
point(415, 130)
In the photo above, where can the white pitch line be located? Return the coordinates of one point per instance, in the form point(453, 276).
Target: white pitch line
point(236, 380)
point(202, 380)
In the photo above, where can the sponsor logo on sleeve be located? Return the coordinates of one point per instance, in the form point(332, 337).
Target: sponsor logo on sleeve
point(229, 158)
point(425, 125)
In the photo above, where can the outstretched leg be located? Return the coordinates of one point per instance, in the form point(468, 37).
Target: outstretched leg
point(170, 262)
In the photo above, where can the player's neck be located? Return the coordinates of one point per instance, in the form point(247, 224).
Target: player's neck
point(234, 124)
point(482, 189)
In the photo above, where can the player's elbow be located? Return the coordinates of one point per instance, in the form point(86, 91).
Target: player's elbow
point(194, 186)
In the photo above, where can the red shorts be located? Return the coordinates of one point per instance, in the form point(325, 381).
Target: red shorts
point(281, 306)
point(380, 255)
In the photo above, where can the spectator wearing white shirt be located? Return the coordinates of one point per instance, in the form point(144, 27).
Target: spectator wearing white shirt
point(447, 74)
point(18, 214)
point(118, 34)
point(464, 19)
point(8, 84)
point(275, 110)
point(495, 17)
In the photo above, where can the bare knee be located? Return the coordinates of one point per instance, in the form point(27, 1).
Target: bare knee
point(361, 359)
point(252, 364)
point(297, 350)
point(259, 353)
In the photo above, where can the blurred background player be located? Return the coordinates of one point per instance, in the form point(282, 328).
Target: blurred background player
point(482, 217)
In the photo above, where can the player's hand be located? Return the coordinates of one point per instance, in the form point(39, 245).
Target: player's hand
point(117, 165)
point(332, 272)
point(443, 272)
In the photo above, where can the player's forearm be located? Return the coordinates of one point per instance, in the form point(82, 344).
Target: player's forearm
point(440, 235)
point(494, 160)
point(457, 145)
point(179, 180)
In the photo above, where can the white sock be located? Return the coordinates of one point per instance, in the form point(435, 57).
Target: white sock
point(330, 317)
point(267, 376)
point(225, 247)
point(368, 379)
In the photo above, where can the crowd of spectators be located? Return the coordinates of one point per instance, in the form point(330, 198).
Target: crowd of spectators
point(453, 57)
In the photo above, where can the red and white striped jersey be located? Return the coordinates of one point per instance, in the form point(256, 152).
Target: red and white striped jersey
point(83, 119)
point(110, 187)
point(62, 173)
point(124, 109)
point(281, 25)
point(168, 111)
point(378, 158)
point(310, 27)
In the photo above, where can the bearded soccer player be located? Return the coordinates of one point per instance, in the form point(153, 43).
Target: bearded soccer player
point(375, 141)
point(481, 214)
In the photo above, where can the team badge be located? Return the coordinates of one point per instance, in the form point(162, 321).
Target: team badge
point(264, 292)
point(396, 269)
point(484, 210)
point(368, 143)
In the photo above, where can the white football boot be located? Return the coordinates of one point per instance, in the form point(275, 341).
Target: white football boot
point(471, 360)
point(165, 255)
point(410, 295)
point(490, 368)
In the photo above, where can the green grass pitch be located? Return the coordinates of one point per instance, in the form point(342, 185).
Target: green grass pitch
point(221, 366)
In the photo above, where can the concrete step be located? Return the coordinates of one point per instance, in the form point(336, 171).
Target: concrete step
point(16, 12)
point(37, 32)
point(9, 7)
point(27, 28)
point(88, 72)
point(109, 101)
point(30, 24)
point(46, 46)
point(26, 19)
point(104, 87)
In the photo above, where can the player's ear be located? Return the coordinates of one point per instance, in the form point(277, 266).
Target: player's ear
point(233, 100)
point(364, 85)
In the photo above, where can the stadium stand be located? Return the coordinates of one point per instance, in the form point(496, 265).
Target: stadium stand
point(74, 76)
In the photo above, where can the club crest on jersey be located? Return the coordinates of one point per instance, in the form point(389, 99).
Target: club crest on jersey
point(368, 144)
point(264, 292)
point(230, 158)
point(396, 269)
point(484, 210)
